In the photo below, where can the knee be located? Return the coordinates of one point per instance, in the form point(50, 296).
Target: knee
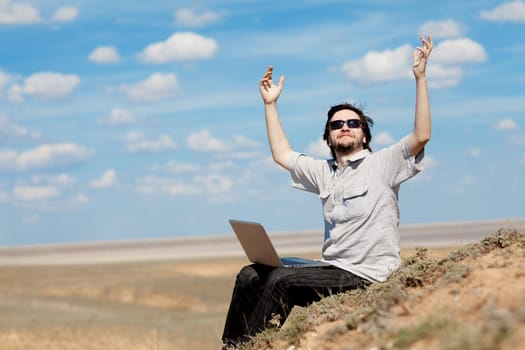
point(278, 281)
point(246, 277)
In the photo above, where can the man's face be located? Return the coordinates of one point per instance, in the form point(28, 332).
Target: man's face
point(346, 139)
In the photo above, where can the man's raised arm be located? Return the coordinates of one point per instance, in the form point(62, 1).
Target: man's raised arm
point(422, 122)
point(281, 150)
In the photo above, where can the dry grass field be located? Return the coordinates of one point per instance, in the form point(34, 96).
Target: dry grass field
point(128, 306)
point(182, 304)
point(146, 306)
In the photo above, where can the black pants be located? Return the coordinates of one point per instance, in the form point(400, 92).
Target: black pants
point(261, 291)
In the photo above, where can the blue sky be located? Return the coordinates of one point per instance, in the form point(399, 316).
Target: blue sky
point(131, 120)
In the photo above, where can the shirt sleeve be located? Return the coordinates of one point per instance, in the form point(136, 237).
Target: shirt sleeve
point(306, 172)
point(399, 163)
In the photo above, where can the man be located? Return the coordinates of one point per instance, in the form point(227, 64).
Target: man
point(359, 195)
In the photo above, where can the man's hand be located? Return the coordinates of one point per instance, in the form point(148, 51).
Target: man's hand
point(269, 91)
point(421, 56)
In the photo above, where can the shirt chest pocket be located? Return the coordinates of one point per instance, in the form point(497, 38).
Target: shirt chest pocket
point(354, 202)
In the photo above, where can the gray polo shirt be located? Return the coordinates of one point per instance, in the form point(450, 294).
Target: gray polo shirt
point(360, 206)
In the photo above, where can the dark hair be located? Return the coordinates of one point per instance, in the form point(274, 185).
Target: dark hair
point(366, 120)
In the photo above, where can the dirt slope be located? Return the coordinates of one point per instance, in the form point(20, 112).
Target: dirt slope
point(472, 299)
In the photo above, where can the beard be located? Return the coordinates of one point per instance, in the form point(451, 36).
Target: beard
point(345, 148)
point(342, 147)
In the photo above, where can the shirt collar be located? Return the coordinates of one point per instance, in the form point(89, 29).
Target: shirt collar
point(353, 159)
point(359, 155)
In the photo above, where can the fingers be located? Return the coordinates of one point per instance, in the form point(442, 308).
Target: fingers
point(281, 80)
point(267, 79)
point(268, 73)
point(429, 41)
point(421, 53)
point(428, 44)
point(417, 55)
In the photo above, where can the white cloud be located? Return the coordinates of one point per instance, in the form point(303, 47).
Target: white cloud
point(43, 157)
point(474, 152)
point(243, 141)
point(5, 79)
point(30, 219)
point(462, 184)
point(442, 29)
point(239, 154)
point(430, 162)
point(106, 180)
point(517, 139)
point(104, 54)
point(511, 11)
point(458, 51)
point(239, 147)
point(203, 141)
point(182, 46)
point(214, 183)
point(136, 142)
point(162, 143)
point(174, 167)
point(319, 149)
point(65, 14)
point(121, 116)
point(441, 76)
point(445, 70)
point(7, 159)
point(506, 124)
point(469, 180)
point(188, 18)
point(79, 198)
point(61, 180)
point(10, 131)
point(383, 139)
point(156, 87)
point(46, 193)
point(388, 65)
point(15, 93)
point(222, 165)
point(18, 13)
point(158, 185)
point(34, 193)
point(50, 85)
point(381, 66)
point(134, 136)
point(209, 184)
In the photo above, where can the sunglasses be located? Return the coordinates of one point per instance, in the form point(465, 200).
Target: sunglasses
point(352, 124)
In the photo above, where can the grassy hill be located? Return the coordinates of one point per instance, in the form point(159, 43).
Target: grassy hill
point(471, 299)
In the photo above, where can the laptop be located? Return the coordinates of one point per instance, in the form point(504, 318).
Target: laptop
point(259, 248)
